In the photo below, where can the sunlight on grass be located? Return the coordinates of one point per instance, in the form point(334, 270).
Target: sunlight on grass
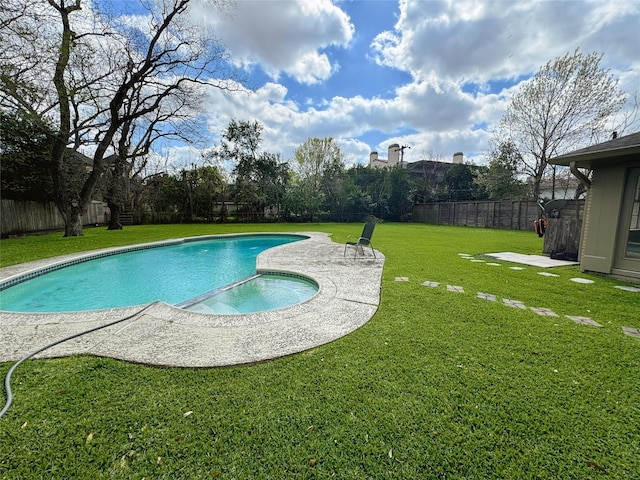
point(437, 385)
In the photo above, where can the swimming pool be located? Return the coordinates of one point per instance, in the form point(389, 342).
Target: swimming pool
point(263, 292)
point(173, 272)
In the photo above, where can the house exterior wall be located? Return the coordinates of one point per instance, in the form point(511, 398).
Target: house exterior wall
point(393, 154)
point(601, 217)
point(393, 157)
point(376, 161)
point(564, 188)
point(611, 200)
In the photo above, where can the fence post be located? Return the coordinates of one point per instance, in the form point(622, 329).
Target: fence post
point(493, 216)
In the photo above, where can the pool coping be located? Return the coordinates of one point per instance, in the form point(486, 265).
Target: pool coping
point(164, 335)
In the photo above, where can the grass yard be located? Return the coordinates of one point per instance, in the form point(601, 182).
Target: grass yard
point(437, 385)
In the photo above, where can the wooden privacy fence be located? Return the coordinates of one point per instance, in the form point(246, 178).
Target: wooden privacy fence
point(510, 215)
point(23, 217)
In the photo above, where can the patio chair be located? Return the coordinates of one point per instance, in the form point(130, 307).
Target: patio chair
point(363, 241)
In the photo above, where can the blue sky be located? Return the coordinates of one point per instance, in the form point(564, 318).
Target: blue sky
point(434, 75)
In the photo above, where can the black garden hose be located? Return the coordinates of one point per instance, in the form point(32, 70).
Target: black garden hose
point(7, 379)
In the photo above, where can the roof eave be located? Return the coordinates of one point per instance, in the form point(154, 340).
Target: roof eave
point(589, 159)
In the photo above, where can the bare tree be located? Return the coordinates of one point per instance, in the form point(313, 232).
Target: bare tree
point(133, 142)
point(108, 82)
point(569, 103)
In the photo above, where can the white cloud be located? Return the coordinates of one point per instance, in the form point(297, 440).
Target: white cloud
point(282, 36)
point(311, 67)
point(176, 158)
point(355, 151)
point(466, 60)
point(478, 42)
point(441, 126)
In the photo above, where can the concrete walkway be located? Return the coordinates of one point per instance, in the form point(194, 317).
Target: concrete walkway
point(348, 297)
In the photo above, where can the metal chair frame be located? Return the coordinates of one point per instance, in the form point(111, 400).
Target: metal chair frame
point(363, 241)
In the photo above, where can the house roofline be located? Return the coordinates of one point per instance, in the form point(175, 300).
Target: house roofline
point(606, 153)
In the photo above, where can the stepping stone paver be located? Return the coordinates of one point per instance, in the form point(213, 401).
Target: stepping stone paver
point(478, 261)
point(632, 332)
point(402, 279)
point(545, 312)
point(514, 303)
point(627, 289)
point(494, 264)
point(583, 320)
point(487, 296)
point(516, 268)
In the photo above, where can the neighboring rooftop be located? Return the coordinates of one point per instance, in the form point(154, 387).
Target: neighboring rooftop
point(605, 152)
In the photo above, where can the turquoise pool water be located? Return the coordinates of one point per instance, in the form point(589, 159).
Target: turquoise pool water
point(172, 274)
point(258, 294)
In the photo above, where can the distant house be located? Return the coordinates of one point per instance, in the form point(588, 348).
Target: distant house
point(80, 160)
point(610, 238)
point(562, 187)
point(431, 168)
point(393, 157)
point(431, 171)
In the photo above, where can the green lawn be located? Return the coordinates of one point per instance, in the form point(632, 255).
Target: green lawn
point(436, 385)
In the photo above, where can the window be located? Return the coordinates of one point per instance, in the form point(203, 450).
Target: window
point(633, 240)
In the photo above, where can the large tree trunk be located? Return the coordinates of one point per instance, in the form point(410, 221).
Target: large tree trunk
point(73, 222)
point(71, 210)
point(115, 193)
point(114, 219)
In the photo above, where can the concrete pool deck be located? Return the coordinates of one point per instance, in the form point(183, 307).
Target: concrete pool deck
point(348, 296)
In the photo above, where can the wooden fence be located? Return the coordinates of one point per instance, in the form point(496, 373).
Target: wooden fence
point(511, 215)
point(22, 217)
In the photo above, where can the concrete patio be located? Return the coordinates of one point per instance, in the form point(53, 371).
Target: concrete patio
point(348, 296)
